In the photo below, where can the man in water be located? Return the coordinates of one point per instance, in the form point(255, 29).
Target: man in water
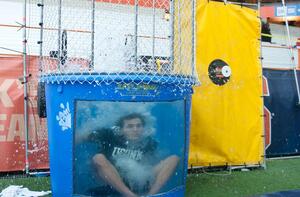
point(125, 161)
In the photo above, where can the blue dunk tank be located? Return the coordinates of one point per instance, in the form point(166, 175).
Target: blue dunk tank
point(118, 96)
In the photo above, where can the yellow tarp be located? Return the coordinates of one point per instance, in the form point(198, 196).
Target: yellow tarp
point(227, 125)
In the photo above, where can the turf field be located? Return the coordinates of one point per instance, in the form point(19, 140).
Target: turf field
point(280, 175)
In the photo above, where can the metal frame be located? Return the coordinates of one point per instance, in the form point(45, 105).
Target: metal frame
point(264, 165)
point(291, 50)
point(41, 35)
point(153, 32)
point(179, 30)
point(25, 85)
point(136, 10)
point(172, 33)
point(193, 40)
point(59, 34)
point(92, 64)
point(240, 3)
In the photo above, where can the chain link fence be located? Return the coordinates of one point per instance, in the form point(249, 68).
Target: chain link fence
point(124, 41)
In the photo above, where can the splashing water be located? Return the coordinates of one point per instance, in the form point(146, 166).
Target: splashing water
point(138, 176)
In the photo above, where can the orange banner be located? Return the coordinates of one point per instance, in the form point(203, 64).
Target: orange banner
point(143, 3)
point(12, 129)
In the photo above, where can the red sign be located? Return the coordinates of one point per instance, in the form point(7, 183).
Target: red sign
point(267, 11)
point(12, 129)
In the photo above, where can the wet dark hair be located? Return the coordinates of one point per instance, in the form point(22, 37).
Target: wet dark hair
point(120, 122)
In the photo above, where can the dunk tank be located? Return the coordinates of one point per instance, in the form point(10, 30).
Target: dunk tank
point(118, 79)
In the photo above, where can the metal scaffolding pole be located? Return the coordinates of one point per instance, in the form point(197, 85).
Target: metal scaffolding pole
point(25, 86)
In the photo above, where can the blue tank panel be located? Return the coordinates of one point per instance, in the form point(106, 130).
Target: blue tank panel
point(65, 103)
point(188, 104)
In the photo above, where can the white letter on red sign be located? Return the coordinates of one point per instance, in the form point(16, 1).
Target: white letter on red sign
point(3, 117)
point(16, 127)
point(7, 102)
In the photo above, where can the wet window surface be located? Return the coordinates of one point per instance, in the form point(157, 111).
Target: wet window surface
point(128, 149)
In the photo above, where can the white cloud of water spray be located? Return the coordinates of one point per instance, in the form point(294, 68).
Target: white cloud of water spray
point(139, 176)
point(93, 115)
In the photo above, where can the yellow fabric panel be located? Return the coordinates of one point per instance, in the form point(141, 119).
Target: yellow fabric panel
point(183, 28)
point(227, 125)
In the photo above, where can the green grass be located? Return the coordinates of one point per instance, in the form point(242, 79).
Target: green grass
point(34, 184)
point(280, 175)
